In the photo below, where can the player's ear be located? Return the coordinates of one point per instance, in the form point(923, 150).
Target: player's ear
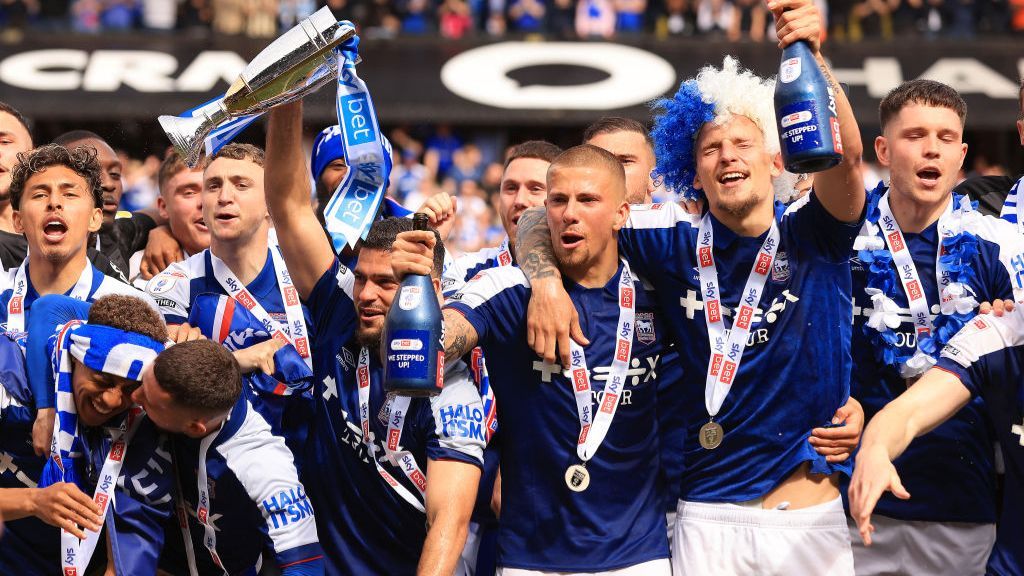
point(882, 150)
point(196, 429)
point(437, 289)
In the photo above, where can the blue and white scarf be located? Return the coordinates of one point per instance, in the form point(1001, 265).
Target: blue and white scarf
point(353, 207)
point(1013, 206)
point(104, 349)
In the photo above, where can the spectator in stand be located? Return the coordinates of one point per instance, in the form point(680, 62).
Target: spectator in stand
point(749, 19)
point(630, 16)
point(416, 17)
point(291, 12)
point(118, 15)
point(455, 19)
point(227, 17)
point(86, 16)
point(527, 15)
point(713, 16)
point(873, 18)
point(467, 164)
point(407, 177)
point(260, 18)
point(441, 148)
point(159, 15)
point(595, 19)
point(560, 19)
point(677, 19)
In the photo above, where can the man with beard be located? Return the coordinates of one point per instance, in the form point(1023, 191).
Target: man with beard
point(631, 143)
point(397, 477)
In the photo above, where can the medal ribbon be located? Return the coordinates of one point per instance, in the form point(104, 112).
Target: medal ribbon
point(355, 202)
point(295, 331)
point(593, 430)
point(75, 553)
point(203, 507)
point(16, 305)
point(917, 302)
point(727, 346)
point(398, 408)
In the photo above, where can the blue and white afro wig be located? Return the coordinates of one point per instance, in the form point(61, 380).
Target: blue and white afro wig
point(715, 95)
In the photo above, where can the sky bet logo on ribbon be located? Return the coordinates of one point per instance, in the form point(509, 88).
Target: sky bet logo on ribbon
point(358, 123)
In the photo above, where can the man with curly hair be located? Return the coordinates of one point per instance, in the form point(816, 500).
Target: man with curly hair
point(757, 304)
point(57, 201)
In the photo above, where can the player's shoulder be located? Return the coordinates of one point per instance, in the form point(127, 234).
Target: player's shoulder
point(985, 334)
point(661, 215)
point(489, 283)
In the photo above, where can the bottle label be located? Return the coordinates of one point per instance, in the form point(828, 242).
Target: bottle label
point(789, 70)
point(407, 354)
point(410, 297)
point(798, 127)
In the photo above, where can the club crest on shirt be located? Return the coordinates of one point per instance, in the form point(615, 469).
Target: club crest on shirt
point(645, 327)
point(780, 267)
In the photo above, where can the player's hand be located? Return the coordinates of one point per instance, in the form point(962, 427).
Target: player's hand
point(65, 506)
point(997, 307)
point(441, 208)
point(42, 431)
point(162, 250)
point(695, 207)
point(873, 474)
point(259, 356)
point(551, 320)
point(184, 333)
point(797, 20)
point(837, 443)
point(413, 253)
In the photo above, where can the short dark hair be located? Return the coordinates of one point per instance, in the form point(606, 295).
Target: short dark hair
point(235, 151)
point(81, 160)
point(609, 124)
point(128, 313)
point(199, 375)
point(77, 136)
point(538, 149)
point(5, 107)
point(921, 91)
point(383, 233)
point(169, 168)
point(588, 155)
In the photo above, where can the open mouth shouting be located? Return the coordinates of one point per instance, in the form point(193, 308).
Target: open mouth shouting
point(54, 229)
point(571, 239)
point(929, 176)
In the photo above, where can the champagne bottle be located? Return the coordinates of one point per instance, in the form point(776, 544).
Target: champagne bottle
point(413, 338)
point(805, 109)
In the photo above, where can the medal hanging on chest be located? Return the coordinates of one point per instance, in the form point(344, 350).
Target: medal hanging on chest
point(593, 430)
point(727, 347)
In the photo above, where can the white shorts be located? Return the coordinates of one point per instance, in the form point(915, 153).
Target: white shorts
point(466, 566)
point(733, 539)
point(905, 547)
point(660, 567)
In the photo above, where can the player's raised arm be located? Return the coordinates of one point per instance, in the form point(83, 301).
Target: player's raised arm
point(929, 402)
point(840, 189)
point(303, 243)
point(551, 317)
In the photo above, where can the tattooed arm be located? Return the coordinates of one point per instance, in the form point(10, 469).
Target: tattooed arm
point(459, 335)
point(551, 319)
point(840, 189)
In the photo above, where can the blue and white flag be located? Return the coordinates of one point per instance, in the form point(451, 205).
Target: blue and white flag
point(225, 132)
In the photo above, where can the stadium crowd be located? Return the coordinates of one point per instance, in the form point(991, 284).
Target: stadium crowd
point(851, 20)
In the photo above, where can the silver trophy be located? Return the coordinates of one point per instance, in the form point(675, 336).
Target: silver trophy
point(297, 63)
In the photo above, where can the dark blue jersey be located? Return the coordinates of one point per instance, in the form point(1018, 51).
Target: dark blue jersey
point(365, 526)
point(987, 355)
point(795, 371)
point(619, 520)
point(949, 470)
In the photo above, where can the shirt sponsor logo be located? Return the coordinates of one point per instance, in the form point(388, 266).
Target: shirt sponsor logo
point(504, 259)
point(462, 421)
point(287, 506)
point(980, 324)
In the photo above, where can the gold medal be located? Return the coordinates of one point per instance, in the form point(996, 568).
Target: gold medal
point(710, 435)
point(577, 478)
